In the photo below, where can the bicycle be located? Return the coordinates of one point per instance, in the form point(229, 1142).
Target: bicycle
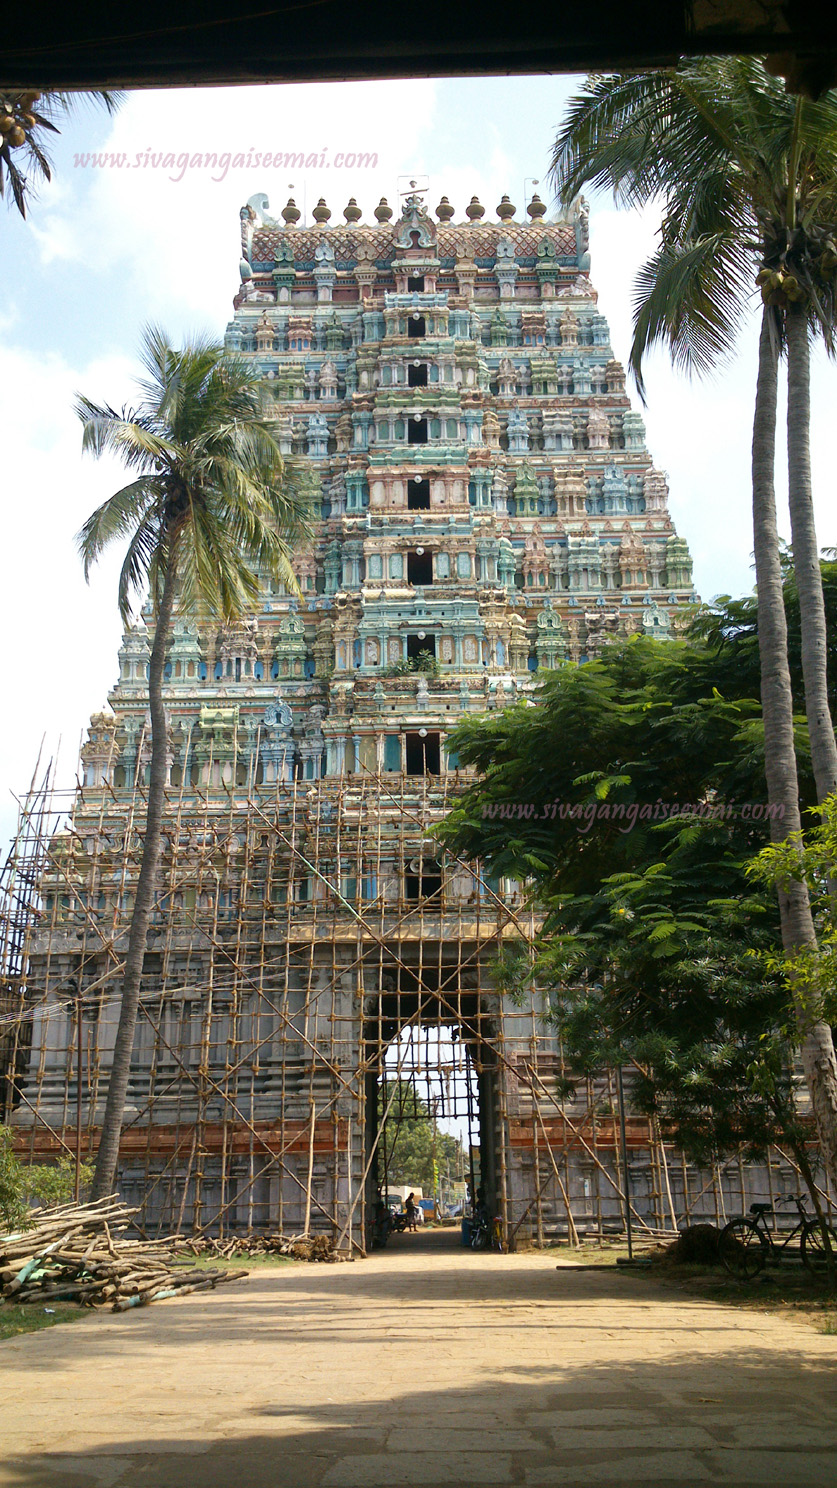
point(745, 1243)
point(487, 1233)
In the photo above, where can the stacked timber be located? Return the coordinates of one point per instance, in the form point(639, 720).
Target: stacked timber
point(80, 1253)
point(296, 1247)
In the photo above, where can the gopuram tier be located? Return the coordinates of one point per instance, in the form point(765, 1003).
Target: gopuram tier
point(487, 505)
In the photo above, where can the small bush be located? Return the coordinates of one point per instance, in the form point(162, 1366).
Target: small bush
point(23, 1184)
point(425, 664)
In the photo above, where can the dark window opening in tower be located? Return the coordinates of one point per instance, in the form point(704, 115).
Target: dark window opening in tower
point(423, 753)
point(422, 885)
point(417, 430)
point(416, 326)
point(420, 645)
point(418, 495)
point(415, 281)
point(417, 374)
point(420, 567)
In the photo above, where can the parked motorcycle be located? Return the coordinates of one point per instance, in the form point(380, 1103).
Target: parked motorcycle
point(480, 1231)
point(487, 1232)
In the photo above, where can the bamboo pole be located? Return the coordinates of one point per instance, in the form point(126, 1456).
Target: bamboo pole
point(310, 1178)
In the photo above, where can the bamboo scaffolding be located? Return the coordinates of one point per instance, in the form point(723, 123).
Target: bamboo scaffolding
point(290, 959)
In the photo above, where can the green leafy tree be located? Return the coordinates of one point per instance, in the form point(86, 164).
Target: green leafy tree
point(660, 974)
point(812, 969)
point(408, 1141)
point(22, 1184)
point(27, 119)
point(747, 177)
point(730, 629)
point(208, 514)
point(643, 729)
point(635, 848)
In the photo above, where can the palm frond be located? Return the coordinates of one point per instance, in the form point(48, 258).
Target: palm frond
point(213, 487)
point(116, 519)
point(736, 164)
point(52, 106)
point(128, 434)
point(690, 298)
point(139, 574)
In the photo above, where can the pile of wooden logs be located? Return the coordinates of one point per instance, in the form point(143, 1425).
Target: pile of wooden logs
point(296, 1247)
point(79, 1253)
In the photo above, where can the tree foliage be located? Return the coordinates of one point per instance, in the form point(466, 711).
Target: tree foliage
point(642, 730)
point(746, 176)
point(209, 494)
point(408, 1140)
point(634, 837)
point(27, 119)
point(209, 515)
point(812, 857)
point(730, 629)
point(22, 1184)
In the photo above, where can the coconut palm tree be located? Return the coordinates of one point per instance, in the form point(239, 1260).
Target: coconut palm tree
point(746, 177)
point(26, 119)
point(208, 512)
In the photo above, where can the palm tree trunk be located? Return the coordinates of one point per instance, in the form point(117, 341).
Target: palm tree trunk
point(108, 1153)
point(816, 1043)
point(806, 558)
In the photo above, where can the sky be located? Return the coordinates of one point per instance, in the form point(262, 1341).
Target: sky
point(106, 250)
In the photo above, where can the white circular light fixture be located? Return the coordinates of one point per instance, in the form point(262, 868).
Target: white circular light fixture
point(422, 733)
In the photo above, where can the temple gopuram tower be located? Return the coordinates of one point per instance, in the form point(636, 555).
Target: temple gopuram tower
point(486, 509)
point(486, 497)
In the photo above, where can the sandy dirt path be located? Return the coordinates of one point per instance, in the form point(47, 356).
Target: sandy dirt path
point(424, 1365)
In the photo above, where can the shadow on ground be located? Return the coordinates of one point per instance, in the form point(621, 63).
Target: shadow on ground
point(746, 1419)
point(509, 1301)
point(468, 1370)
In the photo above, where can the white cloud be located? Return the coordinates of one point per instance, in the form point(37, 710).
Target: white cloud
point(177, 240)
point(61, 636)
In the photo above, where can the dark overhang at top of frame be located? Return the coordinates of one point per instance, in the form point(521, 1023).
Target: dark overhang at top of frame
point(169, 43)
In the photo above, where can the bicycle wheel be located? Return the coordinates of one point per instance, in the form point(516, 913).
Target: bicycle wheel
point(743, 1249)
point(814, 1253)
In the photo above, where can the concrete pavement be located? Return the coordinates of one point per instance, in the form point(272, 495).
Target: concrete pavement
point(424, 1365)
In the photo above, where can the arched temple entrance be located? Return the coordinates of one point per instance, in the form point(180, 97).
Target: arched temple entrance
point(431, 1046)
